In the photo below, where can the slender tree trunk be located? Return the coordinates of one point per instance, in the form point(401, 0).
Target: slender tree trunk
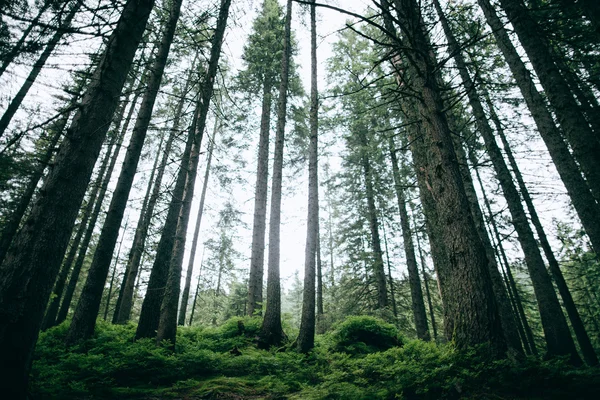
point(583, 201)
point(197, 288)
point(10, 56)
point(85, 242)
point(140, 223)
point(167, 327)
point(416, 292)
point(114, 272)
point(427, 292)
point(33, 260)
point(257, 258)
point(271, 333)
point(389, 273)
point(470, 306)
point(11, 226)
point(320, 310)
point(306, 335)
point(190, 269)
point(150, 312)
point(378, 268)
point(582, 337)
point(15, 103)
point(511, 281)
point(125, 303)
point(84, 318)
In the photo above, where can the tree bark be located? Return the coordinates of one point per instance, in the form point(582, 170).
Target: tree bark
point(306, 335)
point(33, 260)
point(167, 327)
point(114, 272)
point(271, 333)
point(470, 306)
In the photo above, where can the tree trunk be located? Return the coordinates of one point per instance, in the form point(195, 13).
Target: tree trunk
point(389, 272)
point(583, 201)
point(418, 306)
point(33, 260)
point(125, 301)
point(167, 327)
point(427, 291)
point(257, 258)
point(582, 337)
point(320, 310)
point(511, 281)
point(84, 318)
point(15, 103)
point(556, 330)
point(66, 303)
point(271, 333)
point(197, 288)
point(139, 226)
point(306, 335)
point(50, 317)
point(190, 269)
point(112, 278)
point(469, 302)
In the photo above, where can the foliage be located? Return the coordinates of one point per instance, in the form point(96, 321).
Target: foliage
point(223, 362)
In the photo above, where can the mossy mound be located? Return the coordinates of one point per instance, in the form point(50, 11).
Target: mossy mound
point(363, 335)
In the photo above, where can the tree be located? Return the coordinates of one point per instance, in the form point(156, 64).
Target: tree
point(32, 263)
point(271, 333)
point(306, 336)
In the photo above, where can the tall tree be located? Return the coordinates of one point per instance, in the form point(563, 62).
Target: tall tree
point(167, 326)
point(306, 336)
point(84, 318)
point(33, 260)
point(262, 55)
point(190, 268)
point(271, 332)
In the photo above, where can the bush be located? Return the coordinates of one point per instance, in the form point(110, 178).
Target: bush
point(363, 335)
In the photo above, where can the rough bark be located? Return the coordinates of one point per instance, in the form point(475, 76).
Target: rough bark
point(190, 268)
point(16, 102)
point(167, 327)
point(583, 201)
point(271, 333)
point(33, 260)
point(469, 302)
point(257, 257)
point(426, 284)
point(306, 335)
point(114, 272)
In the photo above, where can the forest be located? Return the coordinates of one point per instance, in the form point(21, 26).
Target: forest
point(300, 199)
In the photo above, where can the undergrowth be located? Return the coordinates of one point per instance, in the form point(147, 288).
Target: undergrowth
point(361, 358)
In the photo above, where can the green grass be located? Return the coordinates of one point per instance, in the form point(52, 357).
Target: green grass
point(361, 358)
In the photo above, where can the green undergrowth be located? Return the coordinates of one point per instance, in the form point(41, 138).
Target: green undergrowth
point(361, 358)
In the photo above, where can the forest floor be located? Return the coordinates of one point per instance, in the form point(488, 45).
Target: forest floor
point(360, 359)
